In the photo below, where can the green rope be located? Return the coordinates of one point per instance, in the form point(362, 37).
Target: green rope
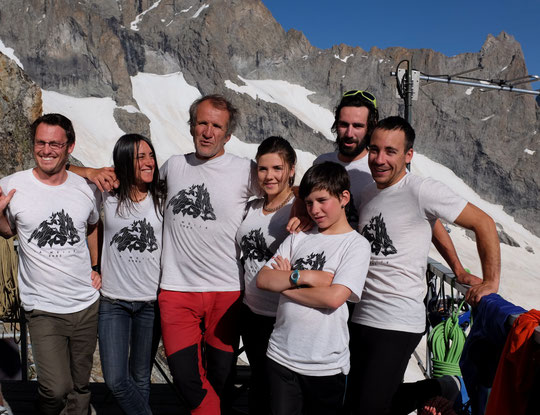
point(446, 343)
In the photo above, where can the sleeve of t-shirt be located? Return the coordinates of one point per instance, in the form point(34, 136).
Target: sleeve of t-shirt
point(439, 201)
point(353, 267)
point(4, 185)
point(163, 170)
point(321, 159)
point(94, 214)
point(284, 250)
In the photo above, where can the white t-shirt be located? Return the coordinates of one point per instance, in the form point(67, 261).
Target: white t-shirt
point(54, 262)
point(259, 236)
point(130, 265)
point(206, 201)
point(398, 222)
point(315, 341)
point(360, 177)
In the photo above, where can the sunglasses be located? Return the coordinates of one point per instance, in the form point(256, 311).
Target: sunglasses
point(364, 94)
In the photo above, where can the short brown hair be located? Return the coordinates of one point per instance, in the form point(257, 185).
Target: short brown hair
point(218, 101)
point(55, 119)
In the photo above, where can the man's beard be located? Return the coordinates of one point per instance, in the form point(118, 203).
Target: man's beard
point(350, 152)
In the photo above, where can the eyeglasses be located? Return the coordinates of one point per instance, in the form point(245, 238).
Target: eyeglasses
point(52, 144)
point(364, 94)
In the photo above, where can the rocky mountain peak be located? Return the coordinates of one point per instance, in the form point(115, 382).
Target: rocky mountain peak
point(20, 105)
point(93, 48)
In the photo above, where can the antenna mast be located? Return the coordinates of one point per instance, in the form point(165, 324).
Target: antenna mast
point(408, 84)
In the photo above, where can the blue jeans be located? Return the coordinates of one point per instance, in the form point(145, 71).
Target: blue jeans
point(125, 348)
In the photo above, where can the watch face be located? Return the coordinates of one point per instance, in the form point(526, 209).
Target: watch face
point(295, 275)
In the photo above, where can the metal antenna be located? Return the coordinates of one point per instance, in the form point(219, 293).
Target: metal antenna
point(408, 82)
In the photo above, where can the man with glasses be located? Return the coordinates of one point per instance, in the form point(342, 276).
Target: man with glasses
point(51, 210)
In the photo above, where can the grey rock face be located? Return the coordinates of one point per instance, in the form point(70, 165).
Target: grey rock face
point(507, 239)
point(504, 238)
point(20, 105)
point(91, 48)
point(132, 122)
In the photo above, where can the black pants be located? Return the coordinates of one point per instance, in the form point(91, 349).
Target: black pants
point(379, 359)
point(295, 394)
point(256, 330)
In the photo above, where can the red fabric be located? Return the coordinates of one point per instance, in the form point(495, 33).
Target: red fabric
point(182, 313)
point(513, 380)
point(181, 316)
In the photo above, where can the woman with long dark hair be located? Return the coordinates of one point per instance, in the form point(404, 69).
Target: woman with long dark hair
point(130, 271)
point(259, 235)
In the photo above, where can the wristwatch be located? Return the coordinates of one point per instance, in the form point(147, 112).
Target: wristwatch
point(96, 268)
point(295, 275)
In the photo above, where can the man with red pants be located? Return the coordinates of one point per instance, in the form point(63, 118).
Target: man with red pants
point(201, 274)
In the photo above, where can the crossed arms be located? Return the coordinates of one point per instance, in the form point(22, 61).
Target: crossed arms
point(316, 289)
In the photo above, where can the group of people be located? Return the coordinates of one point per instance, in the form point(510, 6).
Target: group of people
point(217, 246)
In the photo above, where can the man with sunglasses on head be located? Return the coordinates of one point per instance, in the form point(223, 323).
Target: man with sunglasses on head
point(52, 210)
point(356, 116)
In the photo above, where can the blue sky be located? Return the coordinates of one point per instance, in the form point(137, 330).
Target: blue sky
point(450, 27)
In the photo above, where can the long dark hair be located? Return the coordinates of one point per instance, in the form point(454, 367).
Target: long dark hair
point(124, 156)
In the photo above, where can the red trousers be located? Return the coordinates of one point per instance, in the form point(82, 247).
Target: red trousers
point(200, 335)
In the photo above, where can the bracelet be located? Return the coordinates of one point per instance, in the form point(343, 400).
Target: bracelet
point(96, 268)
point(295, 276)
point(68, 165)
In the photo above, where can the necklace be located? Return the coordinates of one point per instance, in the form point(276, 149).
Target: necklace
point(138, 197)
point(270, 210)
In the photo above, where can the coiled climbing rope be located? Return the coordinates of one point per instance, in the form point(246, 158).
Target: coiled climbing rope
point(446, 343)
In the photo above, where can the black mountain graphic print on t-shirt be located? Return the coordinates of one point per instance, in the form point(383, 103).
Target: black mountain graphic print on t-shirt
point(194, 202)
point(254, 247)
point(375, 233)
point(139, 236)
point(313, 261)
point(57, 230)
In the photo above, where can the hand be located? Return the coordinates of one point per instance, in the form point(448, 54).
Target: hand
point(104, 178)
point(464, 277)
point(476, 292)
point(281, 264)
point(96, 280)
point(436, 406)
point(298, 224)
point(5, 199)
